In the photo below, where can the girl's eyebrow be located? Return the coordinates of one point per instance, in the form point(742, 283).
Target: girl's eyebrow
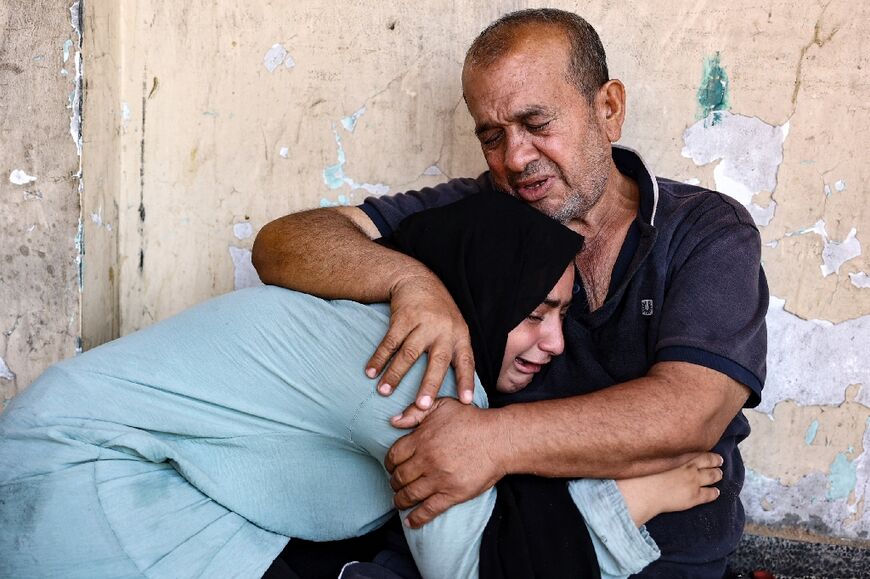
point(554, 303)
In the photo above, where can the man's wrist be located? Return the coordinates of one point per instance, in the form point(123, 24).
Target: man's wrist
point(502, 436)
point(412, 274)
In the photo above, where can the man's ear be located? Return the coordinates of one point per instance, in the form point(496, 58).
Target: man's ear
point(610, 105)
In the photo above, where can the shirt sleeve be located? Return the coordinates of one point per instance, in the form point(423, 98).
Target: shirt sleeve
point(716, 301)
point(388, 211)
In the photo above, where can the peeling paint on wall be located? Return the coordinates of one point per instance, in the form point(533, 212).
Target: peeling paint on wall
point(75, 97)
point(75, 128)
point(5, 372)
point(814, 360)
point(812, 431)
point(835, 253)
point(243, 230)
point(749, 151)
point(349, 122)
point(335, 178)
point(860, 280)
point(819, 484)
point(840, 186)
point(276, 56)
point(762, 215)
point(19, 177)
point(244, 274)
point(842, 478)
point(433, 171)
point(333, 175)
point(804, 504)
point(67, 47)
point(802, 439)
point(284, 152)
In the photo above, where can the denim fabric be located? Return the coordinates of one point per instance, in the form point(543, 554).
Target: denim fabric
point(621, 547)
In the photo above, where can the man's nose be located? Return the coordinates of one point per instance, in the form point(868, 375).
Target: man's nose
point(519, 152)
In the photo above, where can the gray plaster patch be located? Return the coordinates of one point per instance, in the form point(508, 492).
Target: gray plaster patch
point(243, 230)
point(276, 56)
point(244, 274)
point(762, 215)
point(814, 361)
point(5, 372)
point(19, 177)
point(860, 279)
point(749, 151)
point(835, 253)
point(804, 505)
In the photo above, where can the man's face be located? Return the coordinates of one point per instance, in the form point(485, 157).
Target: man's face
point(540, 137)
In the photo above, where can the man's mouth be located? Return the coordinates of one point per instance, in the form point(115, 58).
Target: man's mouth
point(532, 190)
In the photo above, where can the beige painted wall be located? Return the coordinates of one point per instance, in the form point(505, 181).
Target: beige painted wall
point(39, 191)
point(205, 120)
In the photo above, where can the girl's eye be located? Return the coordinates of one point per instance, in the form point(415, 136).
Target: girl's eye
point(535, 317)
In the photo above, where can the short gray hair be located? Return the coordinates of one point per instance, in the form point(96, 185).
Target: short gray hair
point(587, 66)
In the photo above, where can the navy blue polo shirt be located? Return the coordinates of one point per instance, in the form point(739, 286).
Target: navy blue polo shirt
point(687, 286)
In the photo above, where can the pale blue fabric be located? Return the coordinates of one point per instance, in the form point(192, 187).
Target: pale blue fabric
point(622, 548)
point(196, 447)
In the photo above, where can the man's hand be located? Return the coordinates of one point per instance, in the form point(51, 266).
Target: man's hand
point(453, 456)
point(424, 318)
point(329, 253)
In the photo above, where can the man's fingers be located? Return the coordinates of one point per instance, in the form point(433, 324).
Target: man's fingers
point(401, 451)
point(384, 352)
point(413, 493)
point(427, 510)
point(463, 365)
point(402, 361)
point(410, 417)
point(436, 369)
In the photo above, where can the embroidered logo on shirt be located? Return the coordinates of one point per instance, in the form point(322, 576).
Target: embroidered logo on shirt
point(646, 307)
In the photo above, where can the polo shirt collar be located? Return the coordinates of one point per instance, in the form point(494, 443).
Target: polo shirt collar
point(631, 164)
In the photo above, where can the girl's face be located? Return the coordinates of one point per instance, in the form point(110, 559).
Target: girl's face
point(533, 343)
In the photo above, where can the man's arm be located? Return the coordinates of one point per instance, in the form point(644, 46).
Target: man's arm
point(330, 253)
point(638, 427)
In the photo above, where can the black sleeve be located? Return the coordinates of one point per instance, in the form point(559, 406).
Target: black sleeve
point(716, 301)
point(387, 212)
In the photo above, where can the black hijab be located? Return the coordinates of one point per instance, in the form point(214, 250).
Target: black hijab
point(498, 258)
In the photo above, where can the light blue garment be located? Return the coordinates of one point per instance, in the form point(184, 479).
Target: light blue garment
point(197, 446)
point(621, 548)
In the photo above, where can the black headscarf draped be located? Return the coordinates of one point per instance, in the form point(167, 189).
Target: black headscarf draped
point(498, 258)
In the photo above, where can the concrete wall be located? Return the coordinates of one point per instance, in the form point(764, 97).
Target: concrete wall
point(203, 121)
point(39, 189)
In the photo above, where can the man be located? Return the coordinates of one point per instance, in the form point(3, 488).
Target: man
point(671, 341)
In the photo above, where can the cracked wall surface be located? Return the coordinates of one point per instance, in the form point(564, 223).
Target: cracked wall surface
point(204, 120)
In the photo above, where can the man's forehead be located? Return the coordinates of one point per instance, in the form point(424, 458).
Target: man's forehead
point(533, 46)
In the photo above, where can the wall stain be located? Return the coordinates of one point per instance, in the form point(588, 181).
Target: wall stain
point(10, 67)
point(713, 92)
point(141, 227)
point(154, 84)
